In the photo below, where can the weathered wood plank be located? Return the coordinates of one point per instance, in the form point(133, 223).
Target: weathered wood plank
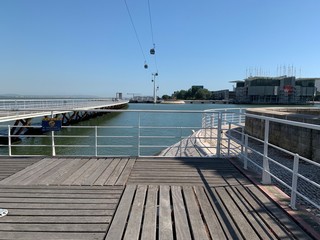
point(77, 195)
point(87, 173)
point(210, 216)
point(53, 227)
point(60, 206)
point(135, 217)
point(122, 180)
point(57, 200)
point(267, 218)
point(59, 212)
point(17, 177)
point(107, 173)
point(197, 225)
point(103, 164)
point(150, 215)
point(118, 223)
point(78, 173)
point(56, 219)
point(294, 229)
point(242, 223)
point(13, 235)
point(34, 175)
point(225, 219)
point(64, 172)
point(116, 172)
point(165, 221)
point(182, 228)
point(259, 226)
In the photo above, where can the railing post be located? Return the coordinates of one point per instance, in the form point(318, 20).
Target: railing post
point(52, 140)
point(139, 134)
point(180, 145)
point(219, 135)
point(294, 186)
point(9, 141)
point(240, 115)
point(229, 132)
point(96, 140)
point(245, 160)
point(211, 128)
point(266, 178)
point(52, 144)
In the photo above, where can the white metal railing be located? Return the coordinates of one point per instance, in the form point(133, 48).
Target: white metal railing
point(260, 158)
point(213, 133)
point(67, 103)
point(142, 136)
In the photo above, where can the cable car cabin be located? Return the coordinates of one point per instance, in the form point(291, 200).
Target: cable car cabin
point(152, 51)
point(146, 66)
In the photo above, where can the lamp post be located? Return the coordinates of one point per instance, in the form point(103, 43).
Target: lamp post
point(154, 86)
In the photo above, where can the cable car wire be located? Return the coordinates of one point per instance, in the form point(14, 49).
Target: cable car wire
point(136, 33)
point(150, 19)
point(152, 50)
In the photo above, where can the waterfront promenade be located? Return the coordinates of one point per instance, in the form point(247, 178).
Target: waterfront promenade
point(136, 198)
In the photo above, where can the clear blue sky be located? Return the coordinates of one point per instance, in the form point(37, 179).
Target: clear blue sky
point(88, 47)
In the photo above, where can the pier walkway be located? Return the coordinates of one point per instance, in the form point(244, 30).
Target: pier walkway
point(136, 198)
point(11, 110)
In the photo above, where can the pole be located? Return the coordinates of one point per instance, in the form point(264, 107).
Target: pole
point(154, 87)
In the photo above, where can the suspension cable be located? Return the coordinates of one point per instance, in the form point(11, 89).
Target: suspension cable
point(135, 31)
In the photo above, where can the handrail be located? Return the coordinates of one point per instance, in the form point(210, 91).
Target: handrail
point(215, 135)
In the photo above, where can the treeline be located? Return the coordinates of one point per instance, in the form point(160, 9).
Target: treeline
point(193, 93)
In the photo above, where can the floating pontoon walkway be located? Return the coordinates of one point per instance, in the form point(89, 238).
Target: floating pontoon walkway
point(136, 198)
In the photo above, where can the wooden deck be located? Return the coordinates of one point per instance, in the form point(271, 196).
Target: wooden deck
point(129, 198)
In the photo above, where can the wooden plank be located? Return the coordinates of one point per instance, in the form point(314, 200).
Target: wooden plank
point(150, 216)
point(197, 225)
point(54, 227)
point(57, 200)
point(225, 219)
point(116, 172)
point(242, 223)
point(59, 212)
point(284, 219)
point(182, 228)
point(262, 230)
point(214, 227)
point(135, 217)
point(13, 235)
point(108, 171)
point(267, 218)
point(122, 180)
point(33, 175)
point(56, 219)
point(60, 206)
point(78, 173)
point(103, 164)
point(87, 173)
point(41, 179)
point(26, 172)
point(165, 221)
point(78, 195)
point(63, 172)
point(118, 223)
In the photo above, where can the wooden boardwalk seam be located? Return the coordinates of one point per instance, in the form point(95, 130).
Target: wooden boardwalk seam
point(137, 198)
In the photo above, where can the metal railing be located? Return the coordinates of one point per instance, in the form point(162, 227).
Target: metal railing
point(297, 175)
point(144, 133)
point(45, 104)
point(211, 133)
